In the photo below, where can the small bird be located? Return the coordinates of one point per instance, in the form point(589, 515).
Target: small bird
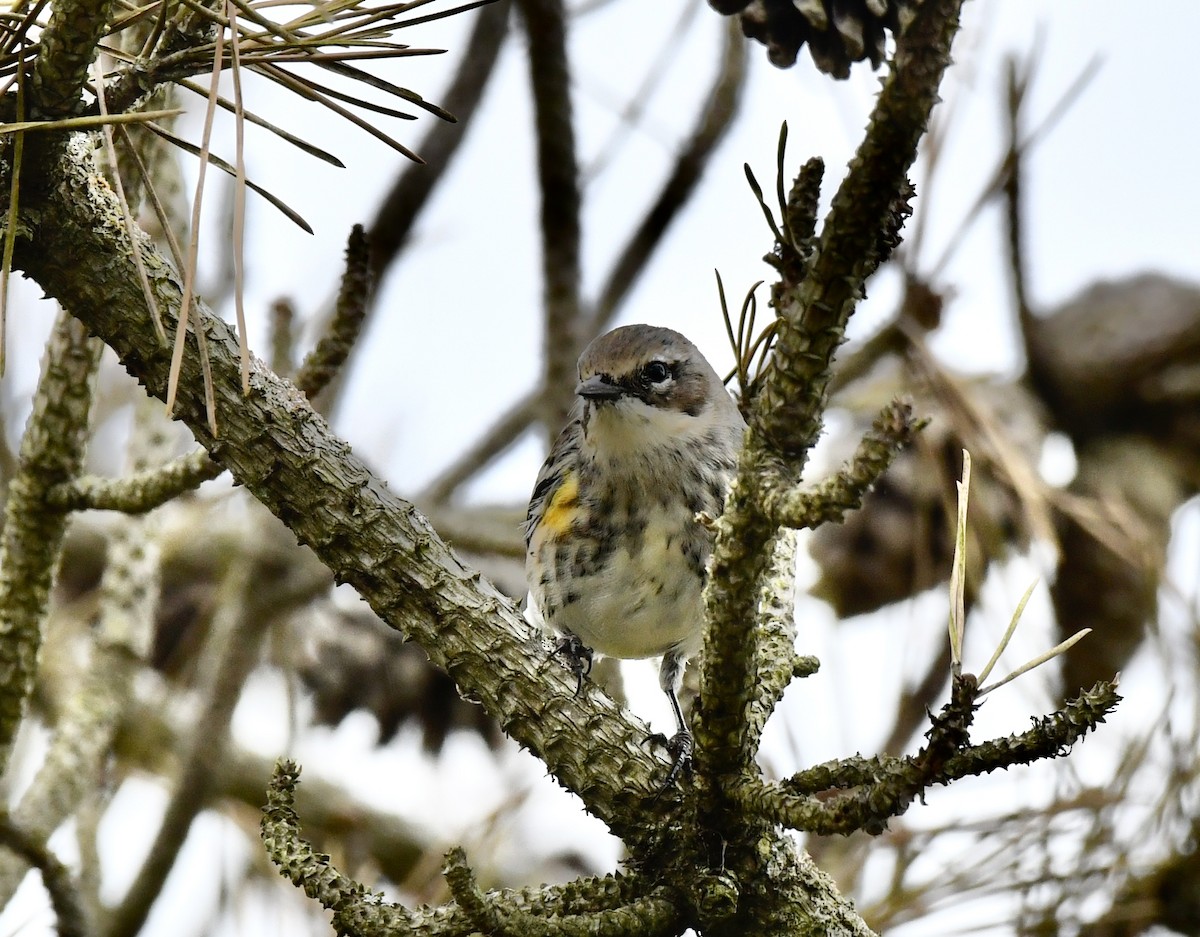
point(615, 555)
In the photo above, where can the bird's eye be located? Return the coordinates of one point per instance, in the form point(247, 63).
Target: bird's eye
point(656, 372)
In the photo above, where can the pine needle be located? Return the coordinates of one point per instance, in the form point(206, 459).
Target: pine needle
point(91, 122)
point(189, 274)
point(131, 228)
point(10, 229)
point(958, 574)
point(1012, 627)
point(160, 211)
point(310, 148)
point(1039, 660)
point(290, 81)
point(239, 199)
point(290, 213)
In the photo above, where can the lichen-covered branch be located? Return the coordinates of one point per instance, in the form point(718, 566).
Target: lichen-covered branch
point(151, 488)
point(139, 492)
point(829, 501)
point(821, 280)
point(876, 789)
point(786, 417)
point(324, 362)
point(51, 453)
point(357, 910)
point(239, 626)
point(82, 735)
point(647, 916)
point(68, 46)
point(779, 664)
point(361, 912)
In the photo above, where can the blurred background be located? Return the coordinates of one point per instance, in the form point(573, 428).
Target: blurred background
point(1069, 367)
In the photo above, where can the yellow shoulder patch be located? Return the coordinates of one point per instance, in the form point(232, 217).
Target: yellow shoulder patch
point(562, 507)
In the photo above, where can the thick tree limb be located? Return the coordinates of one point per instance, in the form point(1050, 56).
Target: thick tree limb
point(284, 454)
point(817, 291)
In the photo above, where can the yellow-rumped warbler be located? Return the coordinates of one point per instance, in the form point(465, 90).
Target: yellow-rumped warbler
point(615, 556)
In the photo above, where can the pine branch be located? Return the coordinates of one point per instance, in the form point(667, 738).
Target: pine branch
point(51, 452)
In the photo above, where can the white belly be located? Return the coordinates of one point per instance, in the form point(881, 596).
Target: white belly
point(639, 605)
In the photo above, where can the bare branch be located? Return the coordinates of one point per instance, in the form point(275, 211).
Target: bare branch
point(502, 434)
point(236, 638)
point(558, 183)
point(354, 297)
point(64, 896)
point(400, 208)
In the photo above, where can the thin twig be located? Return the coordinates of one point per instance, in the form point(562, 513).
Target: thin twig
point(504, 432)
point(398, 211)
point(238, 630)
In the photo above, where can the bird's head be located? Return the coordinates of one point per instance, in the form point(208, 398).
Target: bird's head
point(645, 387)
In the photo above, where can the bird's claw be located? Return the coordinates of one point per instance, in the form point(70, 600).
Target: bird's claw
point(577, 656)
point(680, 747)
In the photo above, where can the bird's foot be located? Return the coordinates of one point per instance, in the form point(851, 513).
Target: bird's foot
point(680, 747)
point(577, 656)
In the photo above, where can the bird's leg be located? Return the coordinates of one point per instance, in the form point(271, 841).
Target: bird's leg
point(576, 655)
point(680, 745)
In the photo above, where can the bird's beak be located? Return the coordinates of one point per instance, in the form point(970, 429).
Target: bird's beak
point(598, 387)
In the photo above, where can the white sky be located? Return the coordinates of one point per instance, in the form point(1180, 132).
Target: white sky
point(1107, 196)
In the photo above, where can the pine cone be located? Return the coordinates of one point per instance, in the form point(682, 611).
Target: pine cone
point(838, 32)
